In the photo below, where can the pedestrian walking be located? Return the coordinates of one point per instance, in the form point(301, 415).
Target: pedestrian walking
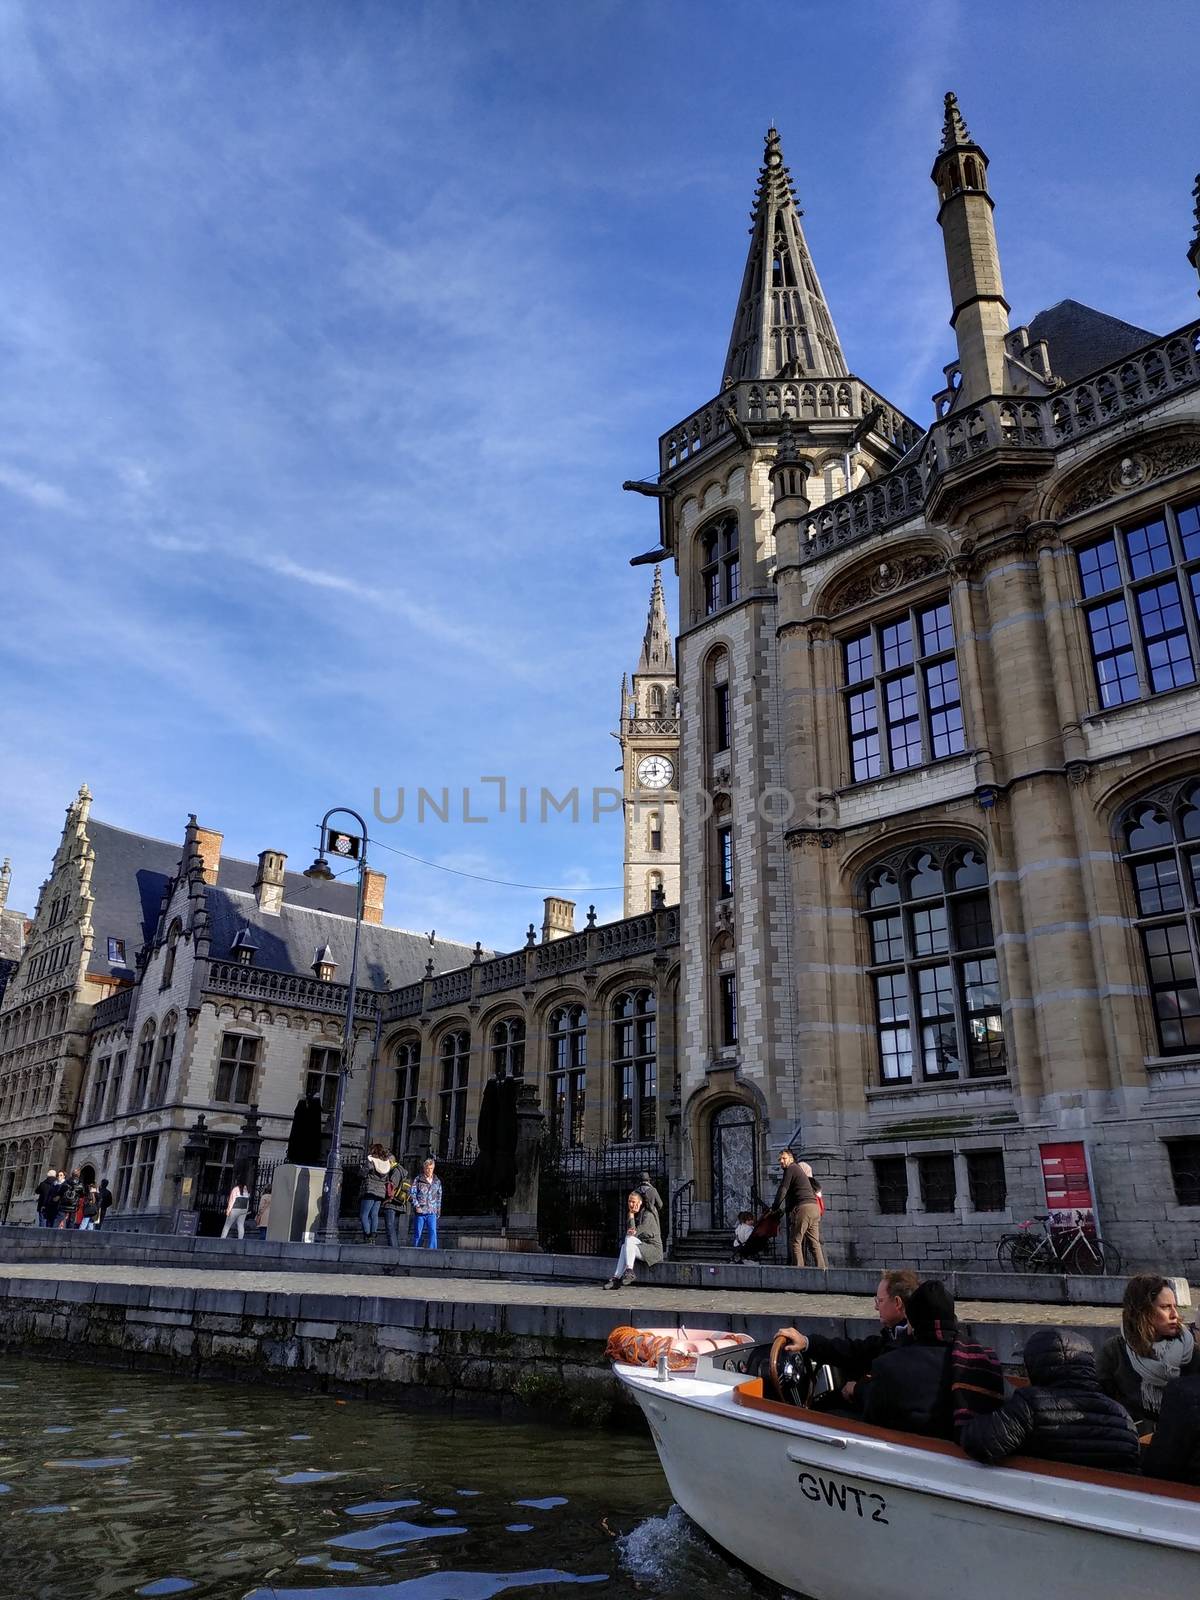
point(796, 1199)
point(262, 1220)
point(426, 1199)
point(236, 1211)
point(69, 1196)
point(106, 1200)
point(45, 1191)
point(54, 1199)
point(89, 1208)
point(374, 1190)
point(395, 1203)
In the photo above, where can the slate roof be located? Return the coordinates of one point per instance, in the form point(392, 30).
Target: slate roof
point(387, 957)
point(131, 872)
point(1082, 340)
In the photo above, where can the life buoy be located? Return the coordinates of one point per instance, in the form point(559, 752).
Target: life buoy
point(641, 1347)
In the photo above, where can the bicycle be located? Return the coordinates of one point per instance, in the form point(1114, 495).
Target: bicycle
point(1057, 1249)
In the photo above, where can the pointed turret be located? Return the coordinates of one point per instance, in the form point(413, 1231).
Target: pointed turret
point(657, 654)
point(5, 882)
point(782, 327)
point(980, 315)
point(1194, 247)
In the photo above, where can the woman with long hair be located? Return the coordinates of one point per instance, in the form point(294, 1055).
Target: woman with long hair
point(1153, 1347)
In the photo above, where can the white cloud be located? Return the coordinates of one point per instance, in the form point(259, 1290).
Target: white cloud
point(37, 491)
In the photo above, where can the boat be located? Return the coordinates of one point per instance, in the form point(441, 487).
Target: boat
point(838, 1509)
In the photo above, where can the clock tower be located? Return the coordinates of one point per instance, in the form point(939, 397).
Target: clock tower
point(650, 748)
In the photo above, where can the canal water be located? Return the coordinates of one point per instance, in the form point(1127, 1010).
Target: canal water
point(132, 1483)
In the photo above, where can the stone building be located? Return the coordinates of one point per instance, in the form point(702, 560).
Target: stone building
point(940, 761)
point(12, 929)
point(649, 740)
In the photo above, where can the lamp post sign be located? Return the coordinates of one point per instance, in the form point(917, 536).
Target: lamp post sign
point(346, 847)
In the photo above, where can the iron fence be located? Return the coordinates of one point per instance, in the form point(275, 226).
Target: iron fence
point(582, 1193)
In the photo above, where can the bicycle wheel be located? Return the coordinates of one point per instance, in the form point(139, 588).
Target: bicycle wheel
point(1014, 1251)
point(1091, 1257)
point(1112, 1258)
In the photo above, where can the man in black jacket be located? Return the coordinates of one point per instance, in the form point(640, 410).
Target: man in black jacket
point(797, 1200)
point(45, 1192)
point(854, 1358)
point(1063, 1415)
point(1174, 1451)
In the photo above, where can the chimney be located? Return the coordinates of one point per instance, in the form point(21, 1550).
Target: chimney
point(5, 881)
point(559, 920)
point(374, 883)
point(268, 886)
point(206, 843)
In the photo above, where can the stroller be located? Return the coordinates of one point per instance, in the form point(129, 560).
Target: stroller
point(761, 1235)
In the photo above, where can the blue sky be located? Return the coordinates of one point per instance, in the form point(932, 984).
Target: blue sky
point(328, 332)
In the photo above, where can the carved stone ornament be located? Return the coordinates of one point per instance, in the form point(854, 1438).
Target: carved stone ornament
point(1078, 773)
point(804, 838)
point(1130, 471)
point(885, 578)
point(723, 916)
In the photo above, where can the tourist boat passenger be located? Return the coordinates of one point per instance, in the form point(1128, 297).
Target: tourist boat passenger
point(1063, 1414)
point(1174, 1451)
point(1152, 1348)
point(854, 1358)
point(934, 1383)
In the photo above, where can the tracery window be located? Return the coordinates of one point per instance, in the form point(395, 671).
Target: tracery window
point(321, 1079)
point(1161, 836)
point(168, 972)
point(1141, 589)
point(166, 1051)
point(720, 564)
point(567, 1077)
point(454, 1061)
point(932, 965)
point(141, 1068)
point(635, 1065)
point(901, 692)
point(406, 1063)
point(235, 1069)
point(508, 1048)
point(99, 1088)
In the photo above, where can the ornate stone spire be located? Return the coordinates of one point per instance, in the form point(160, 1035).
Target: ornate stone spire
point(5, 882)
point(954, 130)
point(782, 327)
point(657, 655)
point(1194, 248)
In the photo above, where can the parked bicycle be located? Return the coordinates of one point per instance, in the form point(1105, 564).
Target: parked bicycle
point(1074, 1250)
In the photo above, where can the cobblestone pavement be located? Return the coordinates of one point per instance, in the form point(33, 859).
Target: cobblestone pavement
point(710, 1303)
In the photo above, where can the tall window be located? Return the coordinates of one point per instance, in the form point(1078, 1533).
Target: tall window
point(891, 1185)
point(162, 1065)
point(720, 568)
point(406, 1063)
point(454, 1062)
point(724, 861)
point(1141, 588)
point(125, 1157)
point(168, 973)
point(324, 1069)
point(141, 1068)
point(717, 690)
point(144, 1176)
point(727, 991)
point(635, 1065)
point(933, 966)
point(235, 1069)
point(1162, 851)
point(99, 1088)
point(567, 1077)
point(218, 1175)
point(938, 1187)
point(901, 692)
point(118, 1074)
point(508, 1048)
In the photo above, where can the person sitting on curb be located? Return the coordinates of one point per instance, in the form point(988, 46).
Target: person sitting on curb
point(854, 1358)
point(642, 1242)
point(1063, 1414)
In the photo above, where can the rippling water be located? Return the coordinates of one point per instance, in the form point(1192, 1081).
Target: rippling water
point(116, 1484)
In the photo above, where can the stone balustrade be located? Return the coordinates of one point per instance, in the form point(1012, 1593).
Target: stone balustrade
point(112, 1010)
point(287, 989)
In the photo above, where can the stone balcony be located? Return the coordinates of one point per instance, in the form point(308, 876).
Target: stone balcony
point(288, 989)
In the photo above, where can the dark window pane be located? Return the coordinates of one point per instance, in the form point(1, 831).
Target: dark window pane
point(938, 1189)
point(985, 1179)
point(1184, 1156)
point(887, 940)
point(895, 643)
point(1167, 650)
point(930, 935)
point(1189, 531)
point(1149, 549)
point(972, 923)
point(1157, 886)
point(937, 630)
point(1098, 567)
point(891, 1184)
point(859, 658)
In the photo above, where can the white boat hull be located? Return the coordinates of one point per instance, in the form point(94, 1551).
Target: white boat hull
point(838, 1515)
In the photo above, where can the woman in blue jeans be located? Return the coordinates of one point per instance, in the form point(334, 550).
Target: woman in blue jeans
point(426, 1198)
point(374, 1189)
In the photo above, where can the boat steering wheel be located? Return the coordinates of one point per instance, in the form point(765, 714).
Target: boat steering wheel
point(791, 1373)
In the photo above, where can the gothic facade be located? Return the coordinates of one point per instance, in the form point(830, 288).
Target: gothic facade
point(940, 761)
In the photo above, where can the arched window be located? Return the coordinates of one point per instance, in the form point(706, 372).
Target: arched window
point(1161, 841)
point(655, 701)
point(166, 1052)
point(508, 1048)
point(717, 697)
point(654, 829)
point(900, 687)
point(724, 994)
point(141, 1068)
point(454, 1061)
point(635, 1065)
point(406, 1064)
point(168, 973)
point(1141, 591)
point(567, 1076)
point(654, 890)
point(720, 564)
point(933, 966)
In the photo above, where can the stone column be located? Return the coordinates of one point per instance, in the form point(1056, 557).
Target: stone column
point(531, 1131)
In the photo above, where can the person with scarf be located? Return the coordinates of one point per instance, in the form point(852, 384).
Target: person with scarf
point(374, 1189)
point(937, 1381)
point(1152, 1349)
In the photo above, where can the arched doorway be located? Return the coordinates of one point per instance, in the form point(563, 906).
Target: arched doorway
point(87, 1174)
point(733, 1149)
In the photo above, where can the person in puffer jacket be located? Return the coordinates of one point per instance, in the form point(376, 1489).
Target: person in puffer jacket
point(1063, 1415)
point(1174, 1451)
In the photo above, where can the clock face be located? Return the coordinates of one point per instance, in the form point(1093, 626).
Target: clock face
point(655, 772)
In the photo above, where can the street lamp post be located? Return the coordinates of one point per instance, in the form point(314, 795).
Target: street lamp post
point(345, 846)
